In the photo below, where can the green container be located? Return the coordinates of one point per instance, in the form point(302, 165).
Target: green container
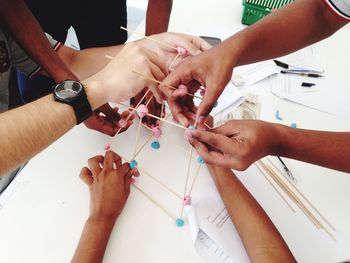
point(254, 10)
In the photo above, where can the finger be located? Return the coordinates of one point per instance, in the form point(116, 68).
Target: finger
point(117, 160)
point(217, 141)
point(124, 169)
point(226, 129)
point(127, 182)
point(94, 164)
point(200, 43)
point(108, 161)
point(86, 176)
point(154, 86)
point(110, 113)
point(212, 157)
point(106, 127)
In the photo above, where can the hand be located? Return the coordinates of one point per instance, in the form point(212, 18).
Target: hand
point(109, 184)
point(118, 82)
point(170, 41)
point(167, 51)
point(110, 122)
point(236, 144)
point(212, 69)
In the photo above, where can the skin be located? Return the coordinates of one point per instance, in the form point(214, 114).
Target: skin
point(260, 237)
point(114, 83)
point(238, 144)
point(268, 38)
point(109, 182)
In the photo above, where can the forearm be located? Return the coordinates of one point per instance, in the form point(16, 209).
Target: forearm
point(286, 30)
point(158, 15)
point(27, 130)
point(93, 241)
point(328, 149)
point(29, 34)
point(87, 62)
point(261, 239)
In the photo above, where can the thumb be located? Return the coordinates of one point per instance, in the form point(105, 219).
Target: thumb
point(212, 93)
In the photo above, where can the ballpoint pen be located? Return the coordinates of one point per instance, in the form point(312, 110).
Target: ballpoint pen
point(289, 174)
point(296, 69)
point(306, 74)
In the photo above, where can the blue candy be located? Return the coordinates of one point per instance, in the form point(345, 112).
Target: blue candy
point(155, 145)
point(277, 115)
point(179, 222)
point(133, 164)
point(191, 127)
point(200, 160)
point(293, 125)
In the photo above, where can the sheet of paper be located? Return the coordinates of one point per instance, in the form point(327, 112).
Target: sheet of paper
point(250, 74)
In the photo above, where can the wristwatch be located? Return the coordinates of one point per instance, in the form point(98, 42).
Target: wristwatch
point(72, 92)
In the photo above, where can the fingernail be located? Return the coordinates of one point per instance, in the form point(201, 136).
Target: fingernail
point(188, 135)
point(122, 123)
point(132, 180)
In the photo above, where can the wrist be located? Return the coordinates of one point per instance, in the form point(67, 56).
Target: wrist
point(95, 95)
point(102, 221)
point(279, 139)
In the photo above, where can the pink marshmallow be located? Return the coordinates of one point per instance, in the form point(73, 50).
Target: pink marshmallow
point(182, 51)
point(107, 147)
point(142, 110)
point(157, 132)
point(187, 200)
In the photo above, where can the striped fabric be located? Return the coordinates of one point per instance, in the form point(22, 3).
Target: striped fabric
point(341, 8)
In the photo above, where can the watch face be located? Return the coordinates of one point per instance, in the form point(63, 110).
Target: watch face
point(68, 89)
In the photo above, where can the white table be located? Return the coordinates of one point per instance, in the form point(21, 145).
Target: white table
point(43, 218)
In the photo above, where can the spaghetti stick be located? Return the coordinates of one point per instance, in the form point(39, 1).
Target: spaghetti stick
point(195, 179)
point(154, 202)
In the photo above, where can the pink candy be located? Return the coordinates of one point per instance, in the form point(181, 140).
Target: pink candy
point(157, 132)
point(107, 147)
point(187, 200)
point(182, 51)
point(142, 110)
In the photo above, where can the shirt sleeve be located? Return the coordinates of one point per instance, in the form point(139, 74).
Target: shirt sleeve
point(340, 8)
point(22, 61)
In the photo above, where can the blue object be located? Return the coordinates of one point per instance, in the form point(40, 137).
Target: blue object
point(216, 104)
point(200, 160)
point(133, 164)
point(191, 127)
point(277, 115)
point(179, 222)
point(155, 145)
point(293, 125)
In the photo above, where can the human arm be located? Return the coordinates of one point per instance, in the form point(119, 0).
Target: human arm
point(239, 143)
point(29, 129)
point(290, 28)
point(260, 237)
point(157, 16)
point(109, 182)
point(29, 34)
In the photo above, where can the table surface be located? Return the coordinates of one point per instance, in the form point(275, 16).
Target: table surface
point(44, 216)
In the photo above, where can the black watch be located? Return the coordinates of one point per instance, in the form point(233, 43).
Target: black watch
point(72, 92)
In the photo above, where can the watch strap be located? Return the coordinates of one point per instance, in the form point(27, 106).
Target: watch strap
point(81, 108)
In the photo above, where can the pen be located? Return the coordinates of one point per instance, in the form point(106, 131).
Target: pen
point(297, 69)
point(312, 75)
point(288, 172)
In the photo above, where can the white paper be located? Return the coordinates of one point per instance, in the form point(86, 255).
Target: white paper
point(255, 72)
